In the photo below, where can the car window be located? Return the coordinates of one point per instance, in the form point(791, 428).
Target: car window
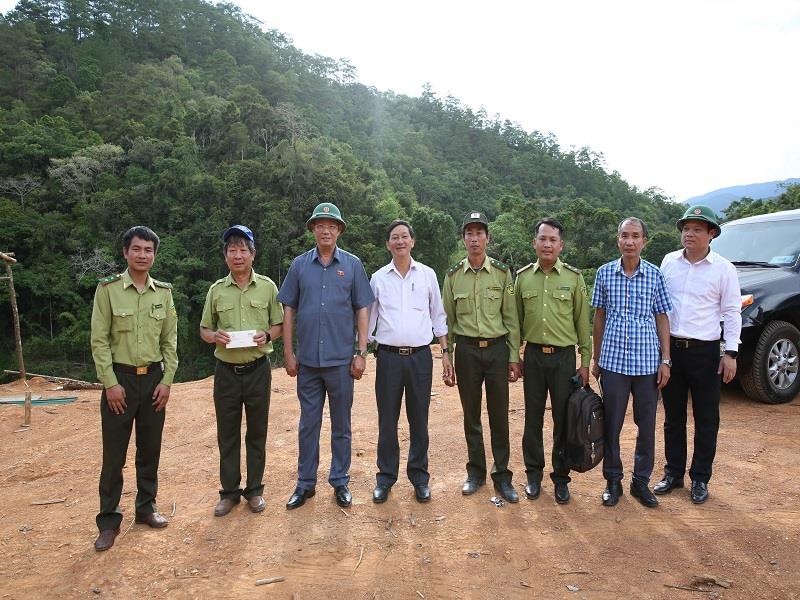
point(773, 242)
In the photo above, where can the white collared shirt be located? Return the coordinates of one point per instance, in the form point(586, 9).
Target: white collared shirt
point(703, 294)
point(407, 311)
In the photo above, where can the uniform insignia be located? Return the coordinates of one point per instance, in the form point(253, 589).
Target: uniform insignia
point(697, 211)
point(158, 305)
point(162, 284)
point(571, 268)
point(528, 266)
point(499, 265)
point(456, 267)
point(475, 215)
point(564, 287)
point(340, 273)
point(510, 289)
point(326, 209)
point(109, 279)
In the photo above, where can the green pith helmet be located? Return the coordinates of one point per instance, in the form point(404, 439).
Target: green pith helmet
point(326, 210)
point(475, 217)
point(700, 212)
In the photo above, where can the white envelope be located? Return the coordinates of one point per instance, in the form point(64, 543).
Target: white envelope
point(241, 339)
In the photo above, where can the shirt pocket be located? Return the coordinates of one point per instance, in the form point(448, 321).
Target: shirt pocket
point(225, 316)
point(562, 302)
point(122, 320)
point(259, 311)
point(463, 304)
point(419, 297)
point(492, 300)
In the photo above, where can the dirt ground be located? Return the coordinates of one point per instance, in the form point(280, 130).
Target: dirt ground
point(452, 547)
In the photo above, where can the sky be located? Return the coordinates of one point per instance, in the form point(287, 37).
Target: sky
point(687, 96)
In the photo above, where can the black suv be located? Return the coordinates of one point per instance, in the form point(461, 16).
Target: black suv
point(766, 252)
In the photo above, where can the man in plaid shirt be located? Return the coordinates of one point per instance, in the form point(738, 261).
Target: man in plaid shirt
point(631, 354)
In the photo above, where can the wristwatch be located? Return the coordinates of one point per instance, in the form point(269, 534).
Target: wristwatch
point(269, 337)
point(732, 353)
point(362, 353)
point(666, 361)
point(445, 350)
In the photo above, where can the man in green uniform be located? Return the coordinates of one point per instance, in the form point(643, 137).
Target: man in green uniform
point(478, 298)
point(554, 316)
point(241, 317)
point(134, 345)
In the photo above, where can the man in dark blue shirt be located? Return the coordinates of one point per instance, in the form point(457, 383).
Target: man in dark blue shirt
point(327, 295)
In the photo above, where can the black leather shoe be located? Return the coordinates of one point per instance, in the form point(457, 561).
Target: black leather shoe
point(666, 485)
point(343, 496)
point(533, 489)
point(106, 539)
point(471, 485)
point(256, 503)
point(612, 492)
point(642, 492)
point(380, 493)
point(299, 497)
point(507, 491)
point(562, 493)
point(699, 492)
point(224, 506)
point(154, 520)
point(422, 493)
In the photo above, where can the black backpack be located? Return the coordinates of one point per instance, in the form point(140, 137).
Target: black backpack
point(584, 429)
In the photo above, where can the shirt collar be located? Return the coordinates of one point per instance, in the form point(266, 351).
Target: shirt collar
point(557, 266)
point(487, 264)
point(127, 281)
point(229, 280)
point(315, 254)
point(391, 266)
point(620, 268)
point(710, 257)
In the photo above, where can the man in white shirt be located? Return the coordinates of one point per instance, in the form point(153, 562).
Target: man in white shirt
point(704, 290)
point(405, 316)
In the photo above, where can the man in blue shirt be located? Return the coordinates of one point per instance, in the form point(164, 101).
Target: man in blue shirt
point(326, 294)
point(631, 350)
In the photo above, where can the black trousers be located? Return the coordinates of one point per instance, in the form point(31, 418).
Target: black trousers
point(232, 392)
point(543, 373)
point(116, 437)
point(617, 388)
point(693, 370)
point(475, 367)
point(395, 375)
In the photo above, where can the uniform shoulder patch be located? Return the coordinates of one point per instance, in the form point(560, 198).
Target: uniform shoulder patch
point(500, 265)
point(528, 266)
point(456, 267)
point(263, 277)
point(162, 284)
point(573, 269)
point(109, 279)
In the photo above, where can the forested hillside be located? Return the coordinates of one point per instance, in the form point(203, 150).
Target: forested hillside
point(188, 117)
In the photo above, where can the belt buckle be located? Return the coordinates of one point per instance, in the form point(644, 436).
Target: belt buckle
point(483, 343)
point(682, 343)
point(239, 369)
point(142, 370)
point(404, 351)
point(548, 349)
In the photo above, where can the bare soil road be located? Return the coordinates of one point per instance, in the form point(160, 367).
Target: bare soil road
point(747, 534)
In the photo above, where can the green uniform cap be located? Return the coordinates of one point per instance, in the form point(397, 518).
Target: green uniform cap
point(475, 216)
point(700, 212)
point(326, 210)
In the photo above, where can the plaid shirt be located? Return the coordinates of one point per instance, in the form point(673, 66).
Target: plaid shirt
point(630, 342)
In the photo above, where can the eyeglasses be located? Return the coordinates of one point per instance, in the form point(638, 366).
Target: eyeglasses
point(321, 228)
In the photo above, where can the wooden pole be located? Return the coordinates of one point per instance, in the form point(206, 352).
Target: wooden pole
point(27, 421)
point(14, 311)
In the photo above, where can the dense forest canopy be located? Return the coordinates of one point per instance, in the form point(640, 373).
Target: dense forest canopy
point(189, 117)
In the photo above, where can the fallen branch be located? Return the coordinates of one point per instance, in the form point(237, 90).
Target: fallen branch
point(127, 530)
point(575, 573)
point(269, 580)
point(65, 380)
point(50, 501)
point(174, 508)
point(687, 588)
point(359, 560)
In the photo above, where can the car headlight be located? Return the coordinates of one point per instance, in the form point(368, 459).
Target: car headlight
point(747, 300)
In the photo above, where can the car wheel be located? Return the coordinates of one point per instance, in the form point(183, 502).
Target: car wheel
point(774, 376)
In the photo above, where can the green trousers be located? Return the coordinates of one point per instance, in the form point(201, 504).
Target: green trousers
point(116, 436)
point(476, 367)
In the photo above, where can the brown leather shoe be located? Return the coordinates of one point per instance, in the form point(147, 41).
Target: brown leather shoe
point(257, 504)
point(154, 520)
point(224, 506)
point(106, 539)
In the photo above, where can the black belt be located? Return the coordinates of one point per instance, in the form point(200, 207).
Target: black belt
point(550, 349)
point(402, 350)
point(689, 342)
point(480, 342)
point(131, 370)
point(243, 368)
